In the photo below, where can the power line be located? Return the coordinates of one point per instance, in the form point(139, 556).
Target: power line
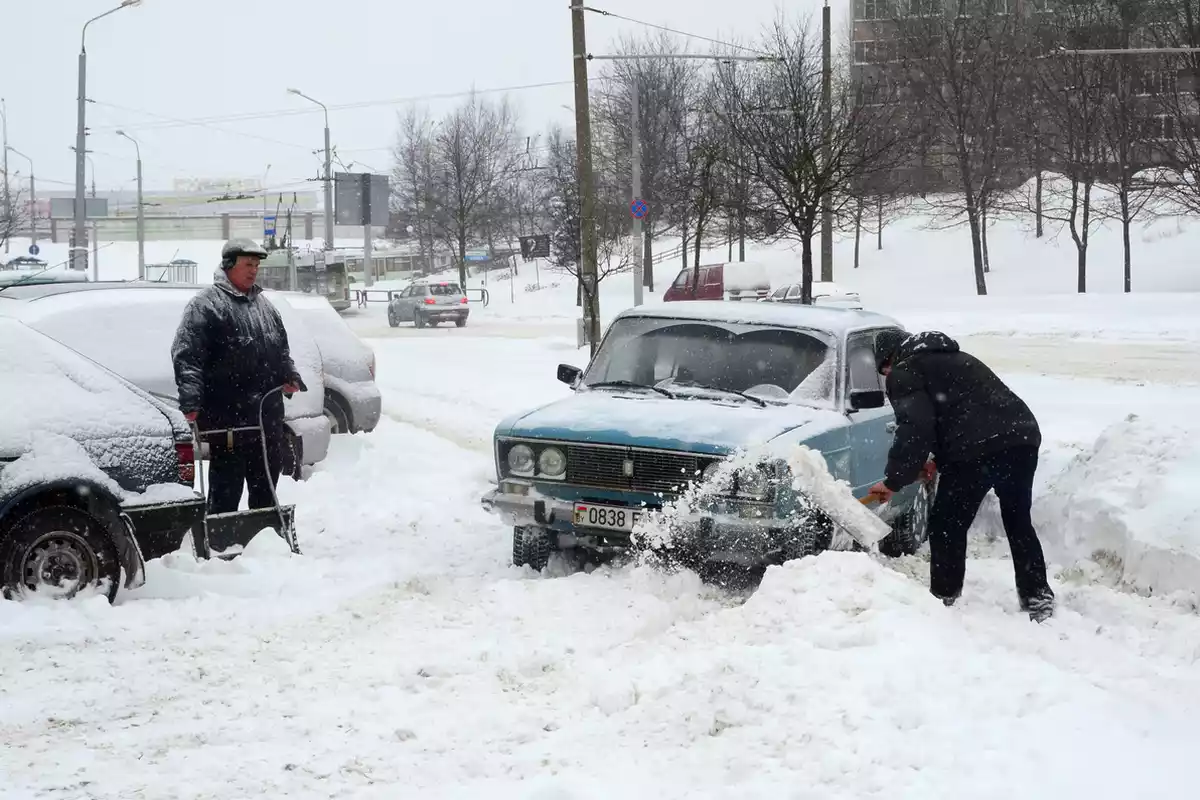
point(195, 123)
point(342, 107)
point(604, 13)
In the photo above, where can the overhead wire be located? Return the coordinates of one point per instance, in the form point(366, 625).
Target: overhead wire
point(675, 31)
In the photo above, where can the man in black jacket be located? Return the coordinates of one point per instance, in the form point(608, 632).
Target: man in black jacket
point(982, 437)
point(231, 348)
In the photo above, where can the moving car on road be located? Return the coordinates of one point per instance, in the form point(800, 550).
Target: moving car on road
point(428, 302)
point(674, 391)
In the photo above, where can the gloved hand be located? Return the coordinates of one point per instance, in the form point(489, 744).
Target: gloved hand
point(880, 493)
point(191, 416)
point(929, 471)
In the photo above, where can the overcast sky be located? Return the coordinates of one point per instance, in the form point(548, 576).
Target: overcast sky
point(168, 61)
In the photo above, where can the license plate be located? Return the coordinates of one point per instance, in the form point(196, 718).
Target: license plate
point(609, 518)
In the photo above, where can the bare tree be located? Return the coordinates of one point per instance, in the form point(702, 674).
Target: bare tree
point(773, 112)
point(414, 188)
point(1172, 123)
point(665, 88)
point(961, 60)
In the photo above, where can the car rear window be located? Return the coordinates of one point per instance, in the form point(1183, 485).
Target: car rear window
point(444, 289)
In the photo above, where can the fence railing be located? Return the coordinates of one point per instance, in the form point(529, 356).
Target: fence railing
point(363, 296)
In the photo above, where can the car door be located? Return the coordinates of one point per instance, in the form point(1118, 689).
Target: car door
point(712, 286)
point(404, 306)
point(870, 429)
point(793, 293)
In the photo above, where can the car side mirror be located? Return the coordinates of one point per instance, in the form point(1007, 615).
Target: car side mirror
point(569, 374)
point(860, 401)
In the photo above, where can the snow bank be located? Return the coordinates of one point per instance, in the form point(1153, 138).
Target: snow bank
point(1129, 502)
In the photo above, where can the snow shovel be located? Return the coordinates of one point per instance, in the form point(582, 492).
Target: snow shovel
point(236, 528)
point(886, 513)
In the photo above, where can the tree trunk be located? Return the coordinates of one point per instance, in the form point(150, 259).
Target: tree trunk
point(683, 242)
point(879, 224)
point(1125, 223)
point(742, 231)
point(648, 261)
point(983, 237)
point(858, 215)
point(462, 258)
point(806, 264)
point(976, 245)
point(1037, 202)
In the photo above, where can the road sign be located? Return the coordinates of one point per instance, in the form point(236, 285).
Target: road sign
point(360, 199)
point(268, 226)
point(477, 256)
point(537, 246)
point(34, 249)
point(638, 208)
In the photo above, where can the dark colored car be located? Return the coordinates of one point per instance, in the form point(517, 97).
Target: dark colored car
point(95, 474)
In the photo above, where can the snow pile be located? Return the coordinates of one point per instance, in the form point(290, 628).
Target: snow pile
point(52, 457)
point(1130, 502)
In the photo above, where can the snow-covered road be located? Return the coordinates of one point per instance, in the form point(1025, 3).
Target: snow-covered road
point(402, 657)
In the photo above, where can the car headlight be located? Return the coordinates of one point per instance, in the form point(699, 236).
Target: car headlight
point(753, 483)
point(520, 460)
point(552, 463)
point(719, 484)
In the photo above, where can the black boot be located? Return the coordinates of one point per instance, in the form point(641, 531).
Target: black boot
point(1039, 607)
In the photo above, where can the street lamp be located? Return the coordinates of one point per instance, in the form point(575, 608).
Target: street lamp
point(32, 193)
point(4, 148)
point(328, 171)
point(79, 250)
point(141, 209)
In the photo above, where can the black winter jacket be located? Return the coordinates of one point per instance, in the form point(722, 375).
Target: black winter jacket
point(952, 405)
point(229, 350)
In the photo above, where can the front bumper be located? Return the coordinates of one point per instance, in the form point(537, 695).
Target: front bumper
point(725, 537)
point(366, 407)
point(314, 436)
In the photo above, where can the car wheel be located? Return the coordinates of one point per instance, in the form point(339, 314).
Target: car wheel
point(335, 412)
point(911, 530)
point(461, 322)
point(56, 551)
point(813, 537)
point(392, 321)
point(531, 547)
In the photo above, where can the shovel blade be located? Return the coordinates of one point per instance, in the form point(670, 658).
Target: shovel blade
point(235, 529)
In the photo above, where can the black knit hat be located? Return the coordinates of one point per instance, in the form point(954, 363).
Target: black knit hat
point(887, 343)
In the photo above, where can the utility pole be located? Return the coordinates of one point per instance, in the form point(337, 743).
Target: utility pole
point(588, 274)
point(79, 251)
point(827, 148)
point(8, 215)
point(328, 171)
point(636, 161)
point(141, 209)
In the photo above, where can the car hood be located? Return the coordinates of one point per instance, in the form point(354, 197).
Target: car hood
point(641, 420)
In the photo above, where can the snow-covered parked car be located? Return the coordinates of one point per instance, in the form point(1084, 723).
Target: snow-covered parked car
point(824, 293)
point(95, 474)
point(352, 400)
point(677, 389)
point(129, 327)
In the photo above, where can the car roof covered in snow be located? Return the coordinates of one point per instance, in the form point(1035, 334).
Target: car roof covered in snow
point(824, 318)
point(36, 291)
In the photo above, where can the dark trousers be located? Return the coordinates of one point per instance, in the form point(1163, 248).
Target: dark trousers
point(961, 489)
point(230, 469)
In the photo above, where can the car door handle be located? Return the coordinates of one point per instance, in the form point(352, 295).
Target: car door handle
point(890, 427)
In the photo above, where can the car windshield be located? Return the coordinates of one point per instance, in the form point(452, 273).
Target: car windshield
point(444, 289)
point(775, 364)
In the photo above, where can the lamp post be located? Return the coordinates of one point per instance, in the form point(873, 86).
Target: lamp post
point(141, 209)
point(79, 250)
point(32, 194)
point(328, 173)
point(7, 196)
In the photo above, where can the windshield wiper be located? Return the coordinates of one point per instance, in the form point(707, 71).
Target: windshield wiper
point(629, 385)
point(690, 385)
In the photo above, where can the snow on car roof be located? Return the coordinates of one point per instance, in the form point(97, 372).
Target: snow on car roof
point(36, 291)
point(825, 318)
point(54, 389)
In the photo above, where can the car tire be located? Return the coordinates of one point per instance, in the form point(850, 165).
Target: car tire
point(531, 547)
point(418, 320)
point(58, 545)
point(462, 323)
point(810, 539)
point(392, 321)
point(335, 412)
point(911, 530)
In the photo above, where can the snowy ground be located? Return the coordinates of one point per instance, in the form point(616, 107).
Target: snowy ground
point(402, 657)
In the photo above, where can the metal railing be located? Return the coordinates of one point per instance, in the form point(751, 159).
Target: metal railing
point(361, 297)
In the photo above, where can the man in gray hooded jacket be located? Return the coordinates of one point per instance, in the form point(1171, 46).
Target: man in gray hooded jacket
point(230, 350)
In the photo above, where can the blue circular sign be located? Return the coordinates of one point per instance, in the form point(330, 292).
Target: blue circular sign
point(34, 249)
point(638, 208)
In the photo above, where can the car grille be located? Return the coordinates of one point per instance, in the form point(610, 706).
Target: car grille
point(654, 471)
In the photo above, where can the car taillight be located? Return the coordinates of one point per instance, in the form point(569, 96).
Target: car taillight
point(185, 455)
point(463, 301)
point(429, 301)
